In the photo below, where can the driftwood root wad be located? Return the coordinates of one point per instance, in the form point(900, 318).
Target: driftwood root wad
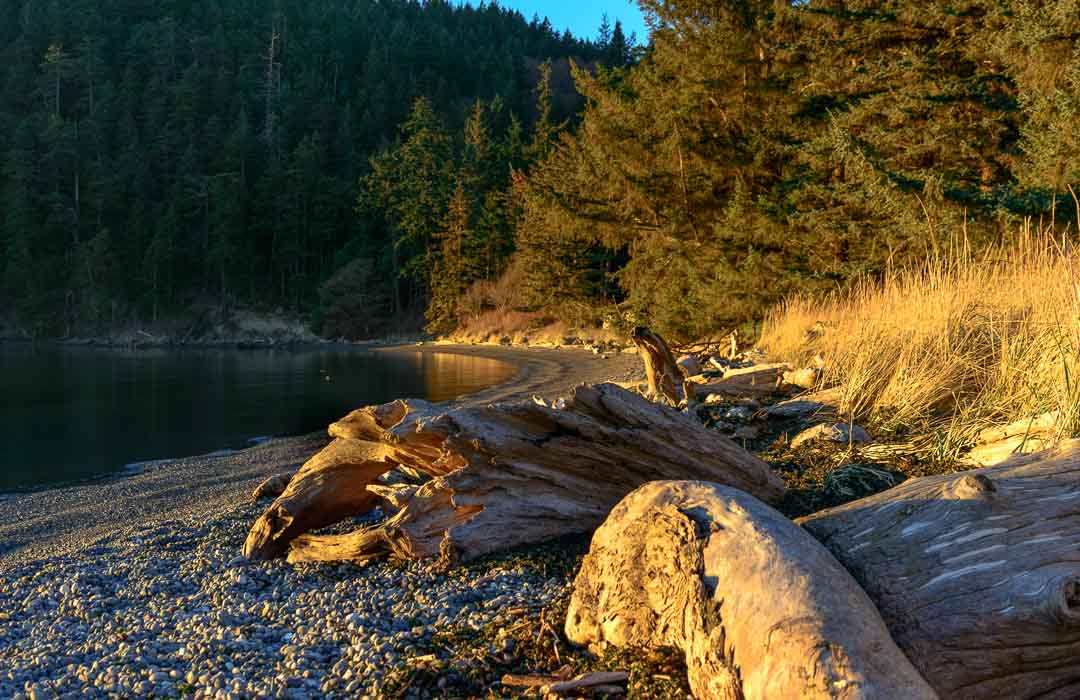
point(976, 574)
point(760, 609)
point(501, 476)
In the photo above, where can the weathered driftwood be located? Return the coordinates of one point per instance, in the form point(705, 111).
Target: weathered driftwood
point(525, 472)
point(664, 375)
point(977, 575)
point(610, 681)
point(757, 381)
point(843, 433)
point(760, 609)
point(804, 378)
point(1021, 437)
point(329, 487)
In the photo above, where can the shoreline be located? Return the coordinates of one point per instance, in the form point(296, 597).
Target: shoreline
point(63, 519)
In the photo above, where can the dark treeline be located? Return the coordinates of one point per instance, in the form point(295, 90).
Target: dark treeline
point(372, 162)
point(157, 155)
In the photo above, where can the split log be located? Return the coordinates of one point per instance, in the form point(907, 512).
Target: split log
point(760, 609)
point(530, 473)
point(664, 375)
point(977, 574)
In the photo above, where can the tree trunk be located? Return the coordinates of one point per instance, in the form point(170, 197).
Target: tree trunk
point(664, 375)
point(758, 607)
point(508, 474)
point(977, 575)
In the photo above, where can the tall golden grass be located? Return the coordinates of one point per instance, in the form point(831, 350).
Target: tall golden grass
point(965, 342)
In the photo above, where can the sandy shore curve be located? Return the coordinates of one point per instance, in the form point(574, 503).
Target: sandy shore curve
point(66, 519)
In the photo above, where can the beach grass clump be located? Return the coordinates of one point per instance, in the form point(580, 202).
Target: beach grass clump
point(943, 351)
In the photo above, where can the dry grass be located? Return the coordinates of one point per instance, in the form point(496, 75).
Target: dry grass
point(964, 343)
point(492, 312)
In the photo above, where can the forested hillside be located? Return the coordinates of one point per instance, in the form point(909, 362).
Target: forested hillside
point(766, 147)
point(371, 163)
point(157, 155)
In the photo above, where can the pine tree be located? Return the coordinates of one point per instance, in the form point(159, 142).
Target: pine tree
point(455, 264)
point(410, 186)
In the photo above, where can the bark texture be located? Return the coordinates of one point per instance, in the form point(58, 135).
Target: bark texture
point(517, 473)
point(760, 609)
point(977, 575)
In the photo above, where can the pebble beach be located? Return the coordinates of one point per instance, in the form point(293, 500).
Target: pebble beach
point(135, 587)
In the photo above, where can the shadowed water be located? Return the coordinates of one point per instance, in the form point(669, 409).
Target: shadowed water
point(76, 413)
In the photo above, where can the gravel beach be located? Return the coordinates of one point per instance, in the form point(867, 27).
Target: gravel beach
point(133, 586)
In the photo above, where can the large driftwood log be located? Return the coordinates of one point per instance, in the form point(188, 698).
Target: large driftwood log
point(977, 575)
point(664, 375)
point(761, 610)
point(517, 473)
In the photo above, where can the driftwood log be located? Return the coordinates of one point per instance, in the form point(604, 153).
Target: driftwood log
point(665, 377)
point(500, 475)
point(757, 381)
point(977, 575)
point(760, 609)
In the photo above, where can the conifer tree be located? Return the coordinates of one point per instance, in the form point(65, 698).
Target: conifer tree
point(409, 186)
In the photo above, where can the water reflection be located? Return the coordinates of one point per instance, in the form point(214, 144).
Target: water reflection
point(74, 413)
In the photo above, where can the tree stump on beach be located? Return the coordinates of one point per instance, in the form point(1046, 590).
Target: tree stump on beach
point(500, 476)
point(664, 375)
point(977, 574)
point(760, 609)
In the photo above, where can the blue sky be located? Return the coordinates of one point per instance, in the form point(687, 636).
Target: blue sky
point(583, 16)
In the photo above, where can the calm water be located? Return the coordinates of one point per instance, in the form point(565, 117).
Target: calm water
point(75, 413)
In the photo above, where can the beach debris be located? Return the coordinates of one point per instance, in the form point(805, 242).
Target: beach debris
point(843, 433)
point(822, 402)
point(609, 681)
point(500, 476)
point(757, 381)
point(689, 365)
point(759, 608)
point(1027, 436)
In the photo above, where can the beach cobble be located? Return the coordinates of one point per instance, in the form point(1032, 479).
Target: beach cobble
point(174, 611)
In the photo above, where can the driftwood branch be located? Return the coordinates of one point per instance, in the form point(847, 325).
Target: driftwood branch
point(759, 608)
point(977, 575)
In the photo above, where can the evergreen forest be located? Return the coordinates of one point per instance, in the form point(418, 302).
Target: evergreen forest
point(386, 165)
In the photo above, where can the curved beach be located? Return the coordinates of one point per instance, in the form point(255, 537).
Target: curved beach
point(134, 587)
point(64, 519)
